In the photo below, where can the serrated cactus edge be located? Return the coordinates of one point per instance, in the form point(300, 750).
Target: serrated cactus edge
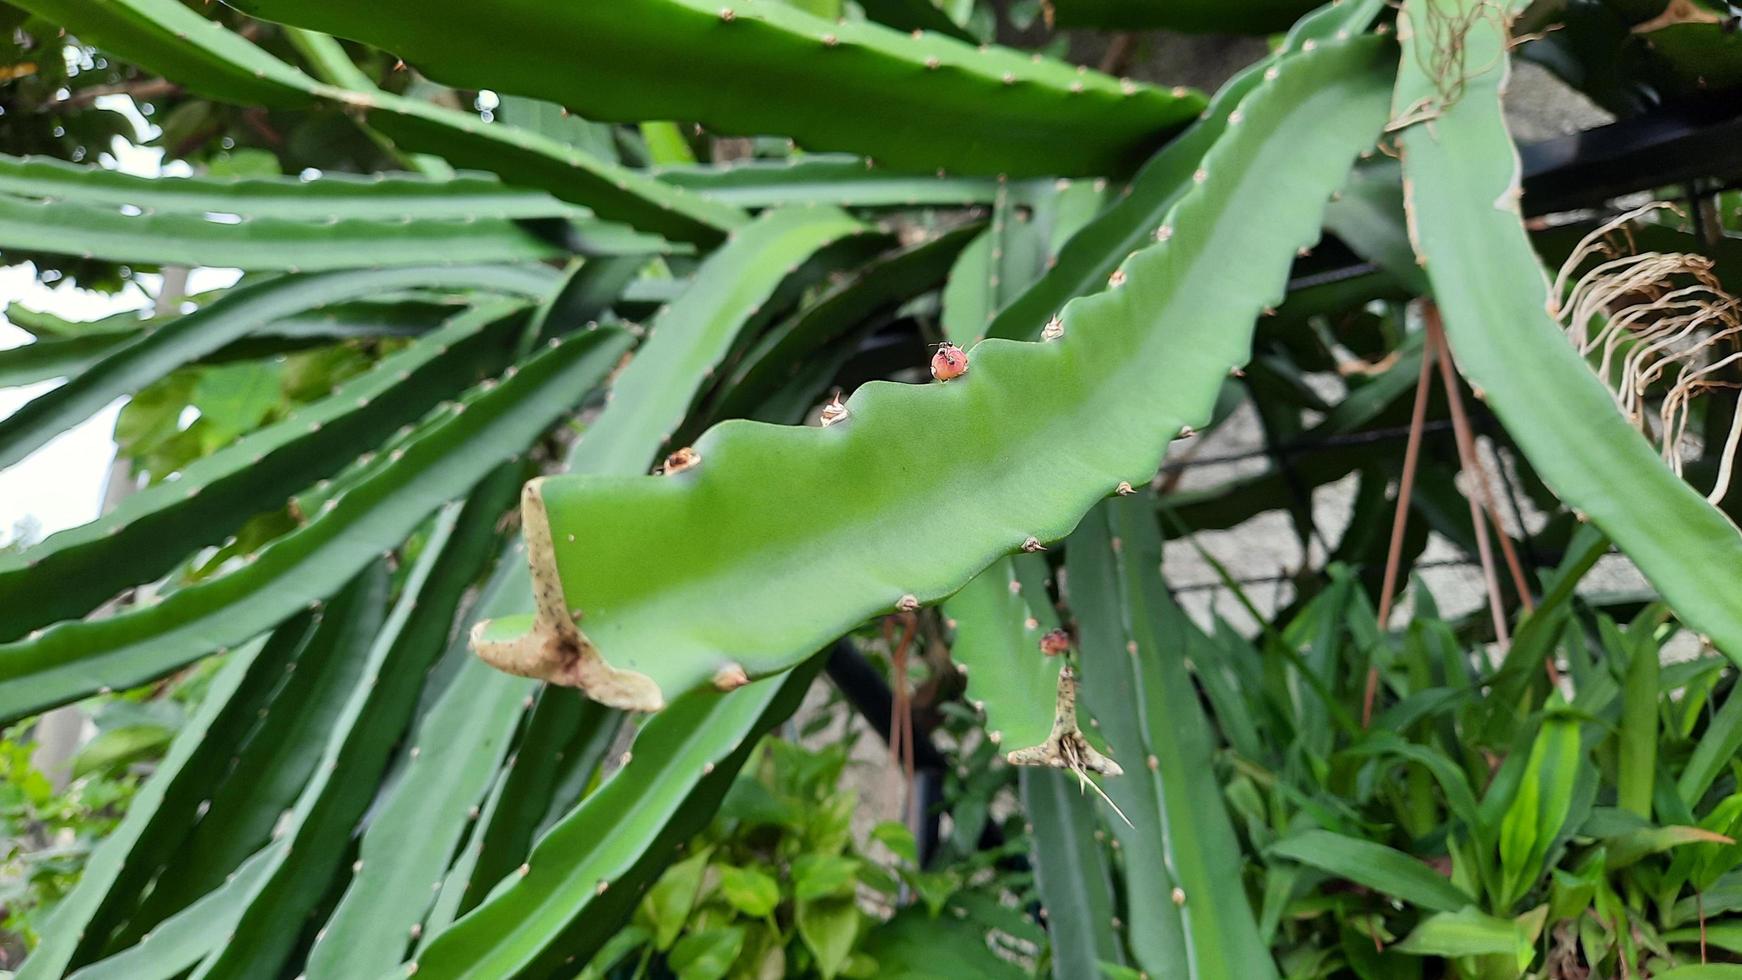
point(728, 568)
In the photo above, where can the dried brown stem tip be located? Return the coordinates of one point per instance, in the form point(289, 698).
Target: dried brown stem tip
point(1066, 748)
point(949, 363)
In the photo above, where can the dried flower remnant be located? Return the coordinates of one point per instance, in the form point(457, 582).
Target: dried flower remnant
point(680, 460)
point(834, 411)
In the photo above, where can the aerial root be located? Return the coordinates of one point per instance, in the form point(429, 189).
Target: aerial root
point(1663, 323)
point(1444, 38)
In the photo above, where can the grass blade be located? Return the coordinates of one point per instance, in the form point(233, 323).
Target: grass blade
point(1383, 869)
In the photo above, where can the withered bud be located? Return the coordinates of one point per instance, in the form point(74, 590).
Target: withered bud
point(681, 460)
point(834, 411)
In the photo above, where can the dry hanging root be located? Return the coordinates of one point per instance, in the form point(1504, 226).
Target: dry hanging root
point(1440, 40)
point(1662, 322)
point(1066, 748)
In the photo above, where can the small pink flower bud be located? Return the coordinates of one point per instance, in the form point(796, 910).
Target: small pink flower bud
point(949, 363)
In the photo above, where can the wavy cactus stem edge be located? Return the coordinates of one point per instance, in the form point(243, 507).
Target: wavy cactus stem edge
point(768, 505)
